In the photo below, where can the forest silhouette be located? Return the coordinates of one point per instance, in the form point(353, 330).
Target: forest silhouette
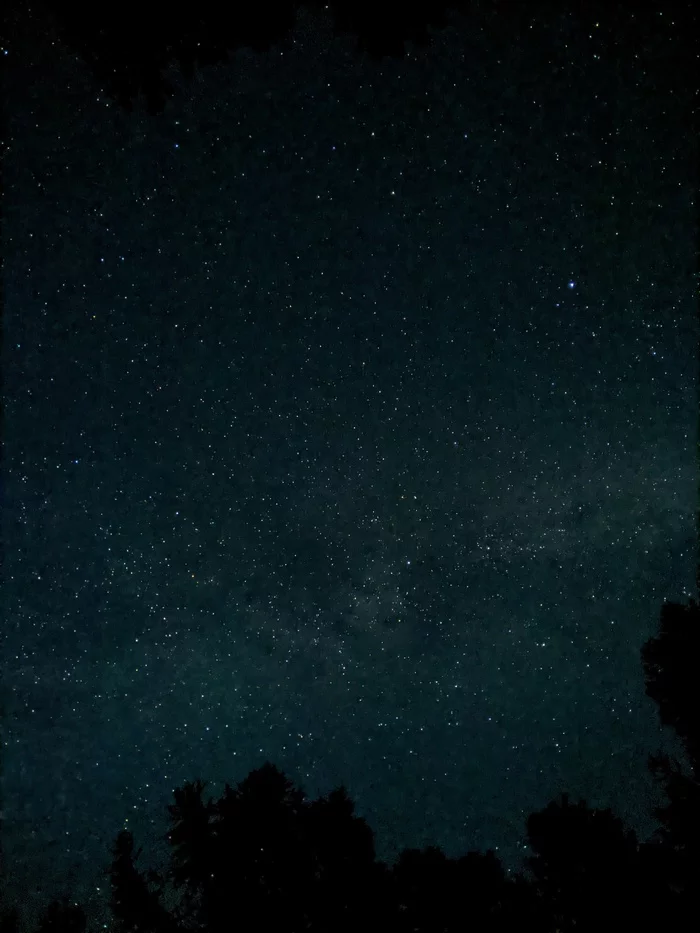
point(129, 46)
point(263, 857)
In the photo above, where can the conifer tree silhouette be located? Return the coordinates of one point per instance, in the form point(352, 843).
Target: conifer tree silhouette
point(136, 907)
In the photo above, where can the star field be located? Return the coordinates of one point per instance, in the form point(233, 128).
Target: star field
point(349, 425)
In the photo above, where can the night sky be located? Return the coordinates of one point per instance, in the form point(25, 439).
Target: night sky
point(350, 423)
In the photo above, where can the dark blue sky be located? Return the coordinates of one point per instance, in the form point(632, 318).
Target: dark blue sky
point(350, 424)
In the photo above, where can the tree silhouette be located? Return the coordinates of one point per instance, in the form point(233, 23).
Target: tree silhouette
point(262, 850)
point(585, 866)
point(436, 893)
point(192, 841)
point(136, 907)
point(128, 46)
point(670, 662)
point(246, 850)
point(346, 874)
